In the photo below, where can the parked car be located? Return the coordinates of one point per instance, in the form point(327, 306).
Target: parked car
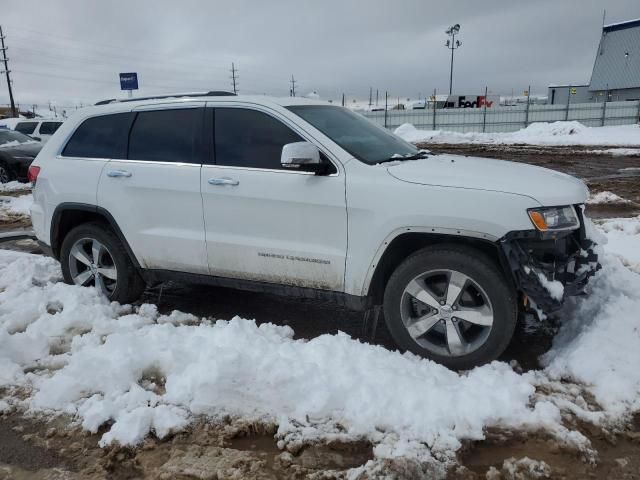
point(38, 129)
point(17, 151)
point(302, 198)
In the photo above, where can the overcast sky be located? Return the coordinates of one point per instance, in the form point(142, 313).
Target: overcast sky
point(71, 51)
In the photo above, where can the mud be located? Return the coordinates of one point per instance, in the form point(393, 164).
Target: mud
point(32, 449)
point(601, 171)
point(56, 449)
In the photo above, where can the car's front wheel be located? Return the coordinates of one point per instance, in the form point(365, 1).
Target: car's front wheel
point(92, 255)
point(451, 304)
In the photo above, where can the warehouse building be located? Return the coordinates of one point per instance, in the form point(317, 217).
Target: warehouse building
point(616, 70)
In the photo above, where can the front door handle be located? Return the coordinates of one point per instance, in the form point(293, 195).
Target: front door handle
point(118, 173)
point(223, 181)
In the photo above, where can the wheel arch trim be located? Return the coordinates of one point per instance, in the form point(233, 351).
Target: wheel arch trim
point(454, 234)
point(56, 242)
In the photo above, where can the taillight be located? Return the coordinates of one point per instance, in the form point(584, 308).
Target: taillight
point(32, 174)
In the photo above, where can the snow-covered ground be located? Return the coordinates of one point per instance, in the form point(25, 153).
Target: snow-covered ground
point(65, 349)
point(623, 234)
point(10, 206)
point(557, 133)
point(14, 186)
point(606, 198)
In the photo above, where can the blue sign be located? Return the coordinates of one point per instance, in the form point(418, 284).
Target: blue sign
point(129, 81)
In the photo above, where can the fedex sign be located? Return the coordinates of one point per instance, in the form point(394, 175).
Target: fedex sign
point(480, 101)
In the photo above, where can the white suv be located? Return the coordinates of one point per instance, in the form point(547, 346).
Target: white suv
point(38, 129)
point(304, 198)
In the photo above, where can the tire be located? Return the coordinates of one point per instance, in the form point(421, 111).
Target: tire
point(6, 175)
point(486, 301)
point(112, 272)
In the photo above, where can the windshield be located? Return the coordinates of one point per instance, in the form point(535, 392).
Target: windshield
point(9, 136)
point(357, 135)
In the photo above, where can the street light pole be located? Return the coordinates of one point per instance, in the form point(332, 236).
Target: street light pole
point(452, 45)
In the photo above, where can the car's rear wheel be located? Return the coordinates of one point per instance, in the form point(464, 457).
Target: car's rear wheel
point(92, 255)
point(451, 304)
point(5, 174)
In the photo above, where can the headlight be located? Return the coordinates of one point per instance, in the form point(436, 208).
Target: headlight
point(553, 219)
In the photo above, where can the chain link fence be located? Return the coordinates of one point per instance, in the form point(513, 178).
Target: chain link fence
point(509, 118)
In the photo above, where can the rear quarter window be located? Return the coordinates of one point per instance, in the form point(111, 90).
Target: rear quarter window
point(49, 128)
point(26, 127)
point(101, 137)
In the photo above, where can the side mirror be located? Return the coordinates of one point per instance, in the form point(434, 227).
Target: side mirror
point(302, 156)
point(37, 139)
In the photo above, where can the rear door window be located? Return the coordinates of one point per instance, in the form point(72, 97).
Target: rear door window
point(49, 128)
point(26, 127)
point(166, 135)
point(101, 137)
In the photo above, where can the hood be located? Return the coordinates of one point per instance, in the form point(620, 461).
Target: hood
point(548, 187)
point(30, 149)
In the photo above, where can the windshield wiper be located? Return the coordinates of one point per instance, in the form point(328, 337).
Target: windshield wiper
point(400, 158)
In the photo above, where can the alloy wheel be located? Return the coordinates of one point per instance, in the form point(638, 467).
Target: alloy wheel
point(446, 312)
point(91, 263)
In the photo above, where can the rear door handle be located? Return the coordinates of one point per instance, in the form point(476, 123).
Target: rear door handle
point(118, 173)
point(223, 181)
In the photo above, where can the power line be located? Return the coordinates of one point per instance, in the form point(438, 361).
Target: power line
point(233, 77)
point(7, 72)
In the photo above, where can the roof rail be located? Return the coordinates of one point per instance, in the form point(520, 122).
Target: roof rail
point(213, 93)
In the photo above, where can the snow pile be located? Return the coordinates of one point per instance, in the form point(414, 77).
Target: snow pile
point(623, 235)
point(138, 371)
point(15, 206)
point(14, 186)
point(606, 198)
point(599, 344)
point(618, 152)
point(235, 367)
point(556, 133)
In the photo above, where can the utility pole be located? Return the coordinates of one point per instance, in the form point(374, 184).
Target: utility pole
point(386, 107)
point(293, 86)
point(234, 78)
point(526, 117)
point(7, 72)
point(370, 96)
point(343, 99)
point(452, 44)
point(376, 97)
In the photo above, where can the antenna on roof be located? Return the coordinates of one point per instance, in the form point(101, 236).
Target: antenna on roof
point(604, 17)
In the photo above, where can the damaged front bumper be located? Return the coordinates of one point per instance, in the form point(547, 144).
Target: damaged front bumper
point(549, 266)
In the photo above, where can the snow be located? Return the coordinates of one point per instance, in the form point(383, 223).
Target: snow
point(233, 367)
point(598, 344)
point(133, 371)
point(556, 133)
point(606, 198)
point(10, 206)
point(554, 287)
point(15, 143)
point(617, 152)
point(10, 123)
point(623, 235)
point(14, 186)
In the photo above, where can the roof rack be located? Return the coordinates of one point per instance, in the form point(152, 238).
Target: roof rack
point(213, 93)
